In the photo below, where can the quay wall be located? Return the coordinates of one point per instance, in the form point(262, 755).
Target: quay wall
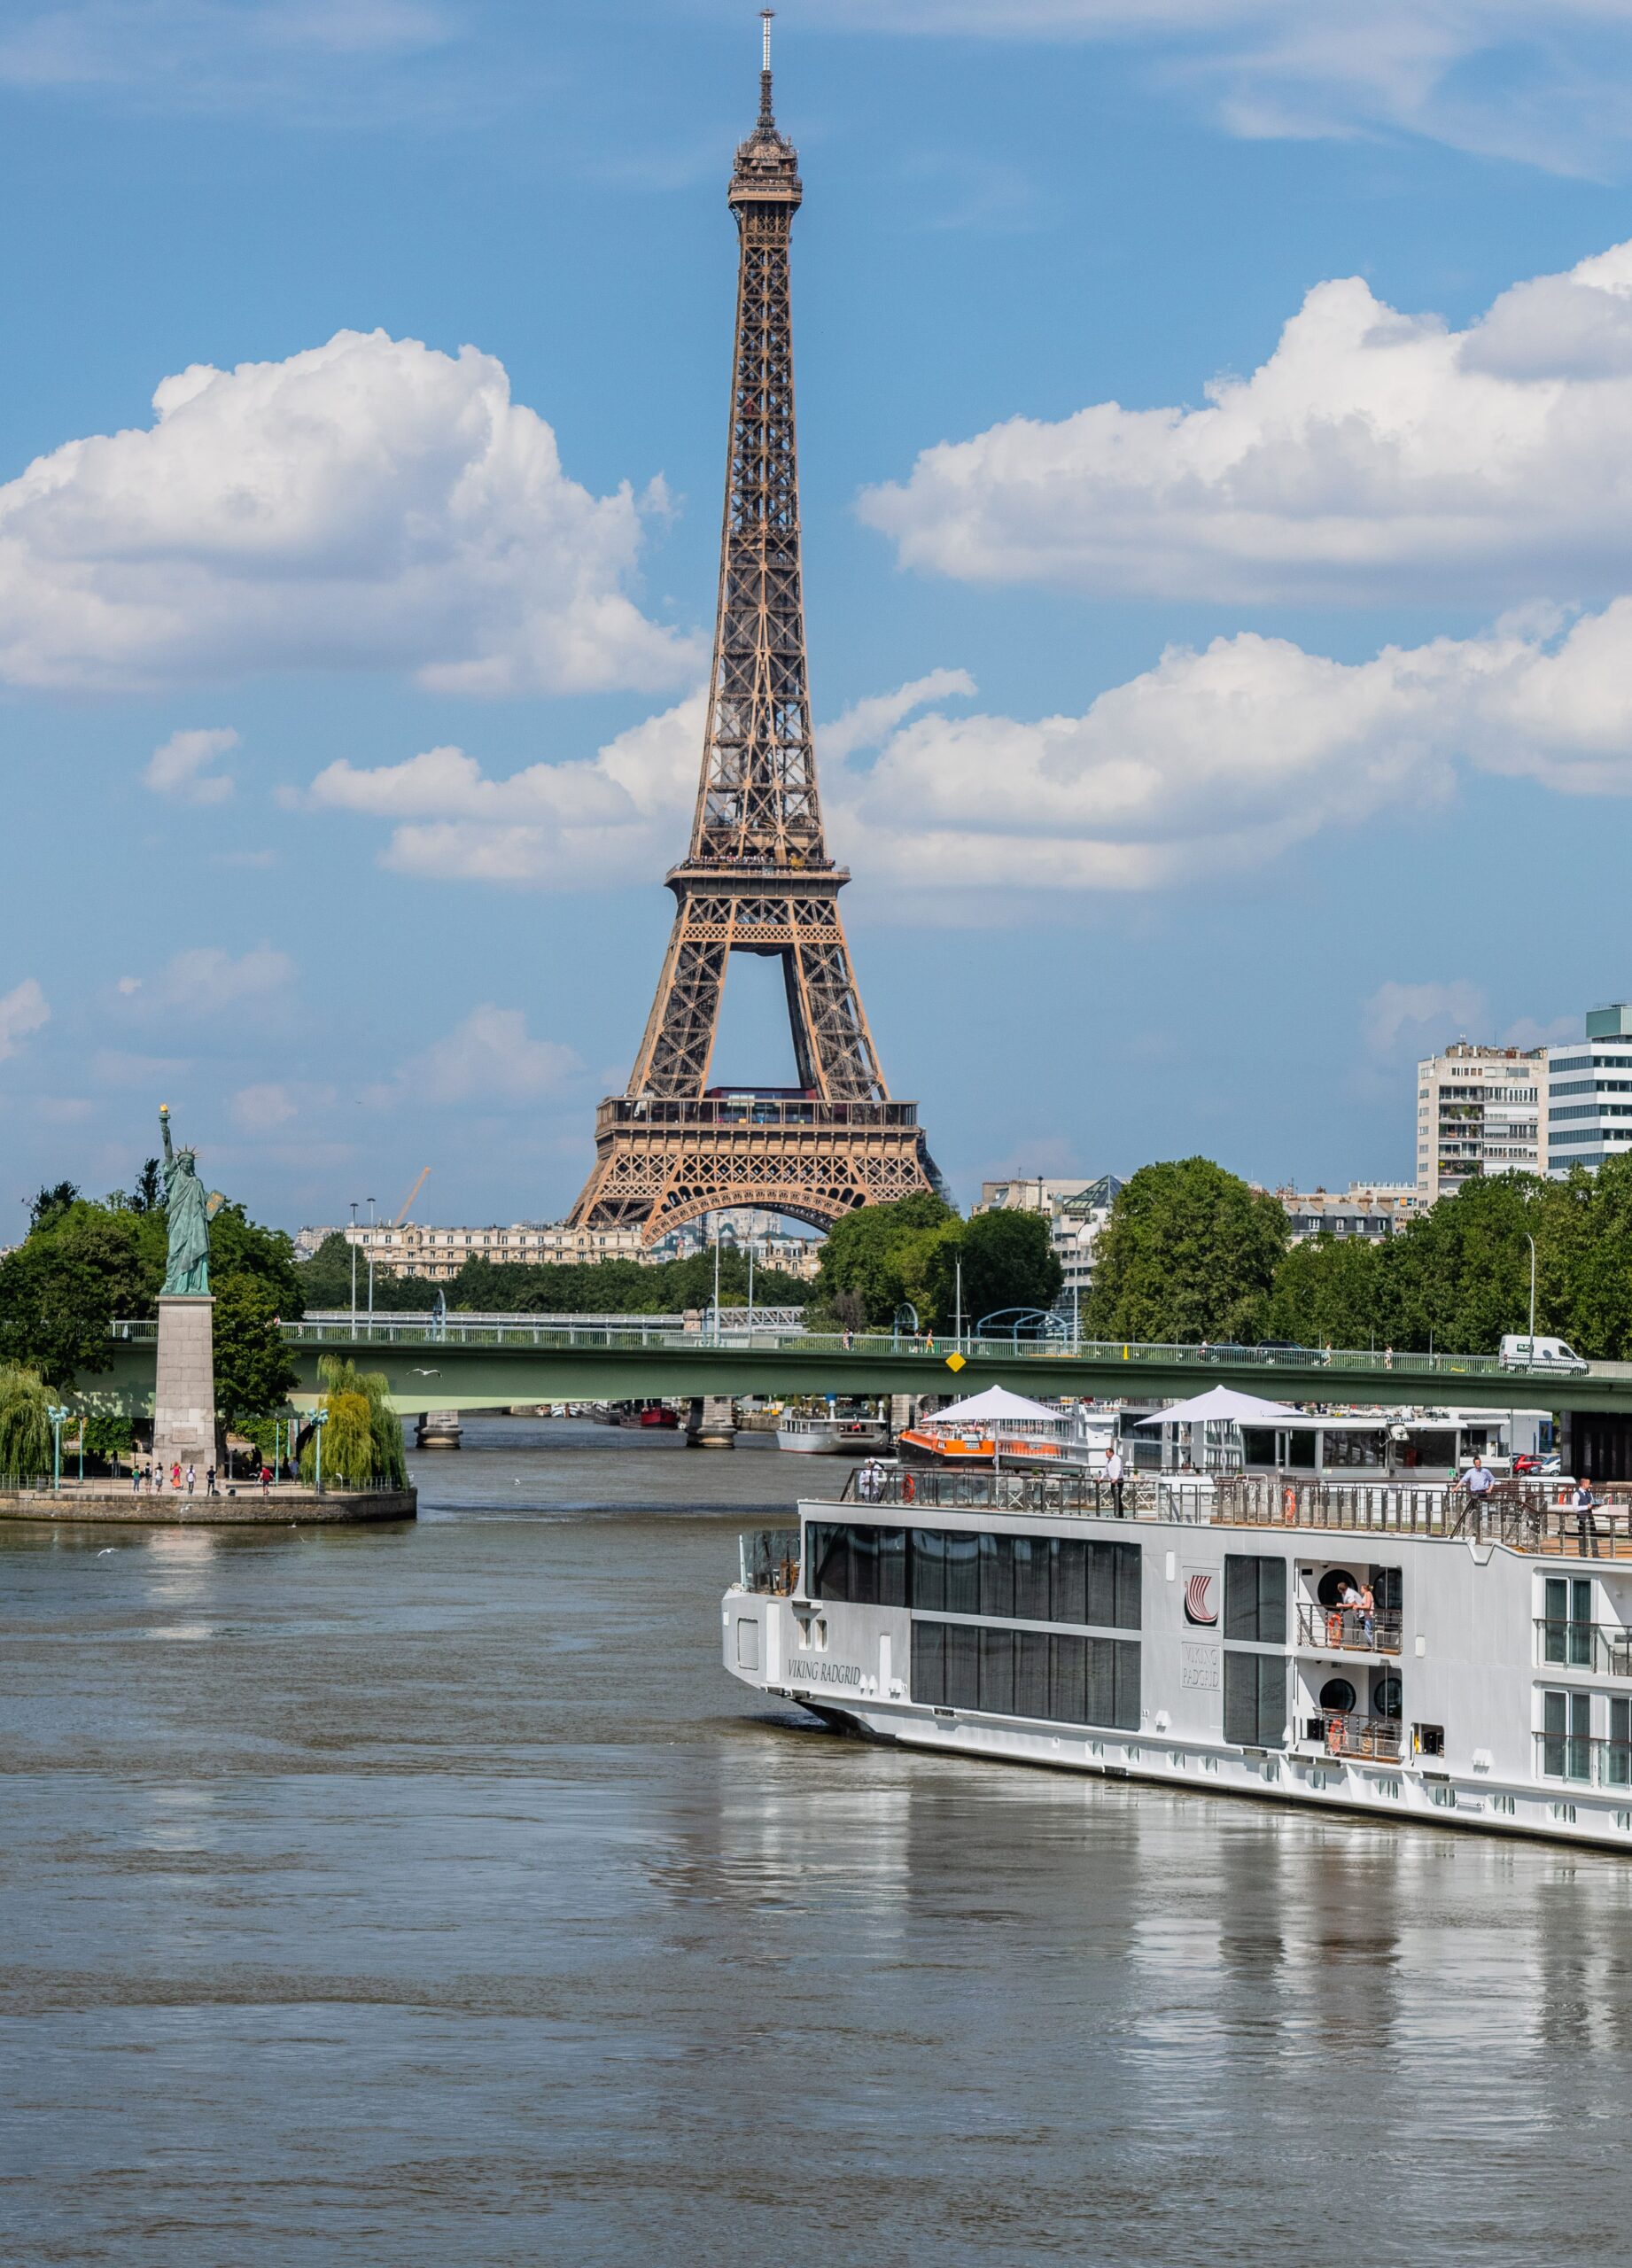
point(303, 1507)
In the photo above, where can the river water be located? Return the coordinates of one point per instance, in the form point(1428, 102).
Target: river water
point(431, 1896)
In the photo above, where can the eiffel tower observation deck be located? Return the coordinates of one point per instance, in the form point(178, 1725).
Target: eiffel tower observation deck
point(756, 877)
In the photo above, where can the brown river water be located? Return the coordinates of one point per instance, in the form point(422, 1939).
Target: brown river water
point(432, 1896)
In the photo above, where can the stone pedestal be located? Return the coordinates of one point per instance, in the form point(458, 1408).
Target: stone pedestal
point(184, 1389)
point(438, 1429)
point(712, 1423)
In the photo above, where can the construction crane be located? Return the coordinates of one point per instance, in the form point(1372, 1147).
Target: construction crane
point(407, 1206)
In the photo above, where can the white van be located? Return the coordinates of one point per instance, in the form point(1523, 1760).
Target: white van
point(1520, 1352)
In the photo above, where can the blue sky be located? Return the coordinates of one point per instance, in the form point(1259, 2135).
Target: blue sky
point(1214, 424)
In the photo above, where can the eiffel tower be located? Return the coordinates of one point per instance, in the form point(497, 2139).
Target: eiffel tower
point(757, 878)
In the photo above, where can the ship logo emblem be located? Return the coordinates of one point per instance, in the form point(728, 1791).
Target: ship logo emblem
point(1198, 1607)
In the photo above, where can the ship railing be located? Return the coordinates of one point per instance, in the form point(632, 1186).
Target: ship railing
point(1573, 1756)
point(954, 1491)
point(1348, 1629)
point(1342, 1733)
point(768, 1561)
point(1605, 1647)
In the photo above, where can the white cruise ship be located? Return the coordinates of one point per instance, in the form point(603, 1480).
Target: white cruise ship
point(1202, 1641)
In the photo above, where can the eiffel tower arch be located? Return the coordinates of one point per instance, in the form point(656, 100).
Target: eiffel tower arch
point(756, 877)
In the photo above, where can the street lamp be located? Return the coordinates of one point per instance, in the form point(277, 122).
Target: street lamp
point(370, 1268)
point(1530, 1240)
point(716, 1221)
point(57, 1412)
point(354, 1243)
point(320, 1418)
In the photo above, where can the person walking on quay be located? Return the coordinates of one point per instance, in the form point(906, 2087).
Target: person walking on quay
point(192, 1478)
point(209, 1480)
point(175, 1473)
point(1114, 1473)
point(266, 1476)
point(135, 1474)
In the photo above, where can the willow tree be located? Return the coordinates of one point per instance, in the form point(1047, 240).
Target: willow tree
point(25, 1425)
point(362, 1437)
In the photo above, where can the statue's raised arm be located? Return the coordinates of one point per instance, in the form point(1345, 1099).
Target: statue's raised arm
point(187, 1268)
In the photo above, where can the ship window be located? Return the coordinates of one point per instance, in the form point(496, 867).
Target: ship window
point(747, 1643)
point(1064, 1679)
point(1333, 1584)
point(929, 1570)
point(1567, 1629)
point(1337, 1693)
point(997, 1671)
point(997, 1575)
point(1031, 1571)
point(1618, 1754)
point(1255, 1598)
point(1567, 1726)
point(1506, 1805)
point(963, 1574)
point(1068, 1595)
point(1255, 1697)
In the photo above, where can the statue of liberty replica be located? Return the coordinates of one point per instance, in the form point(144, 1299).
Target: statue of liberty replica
point(184, 1389)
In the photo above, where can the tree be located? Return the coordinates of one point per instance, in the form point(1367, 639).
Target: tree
point(863, 1258)
point(25, 1425)
point(52, 1202)
point(1189, 1252)
point(1333, 1292)
point(1460, 1275)
point(240, 1246)
point(362, 1439)
point(254, 1375)
point(1009, 1262)
point(62, 1289)
point(148, 1195)
point(325, 1282)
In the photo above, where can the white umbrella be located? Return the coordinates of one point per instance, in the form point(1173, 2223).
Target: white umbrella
point(1222, 1402)
point(996, 1407)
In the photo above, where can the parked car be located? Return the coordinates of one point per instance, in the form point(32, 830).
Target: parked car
point(1520, 1352)
point(1531, 1465)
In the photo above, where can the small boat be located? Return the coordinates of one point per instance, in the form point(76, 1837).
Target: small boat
point(831, 1434)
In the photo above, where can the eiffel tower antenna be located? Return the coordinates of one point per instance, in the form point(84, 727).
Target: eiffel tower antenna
point(756, 877)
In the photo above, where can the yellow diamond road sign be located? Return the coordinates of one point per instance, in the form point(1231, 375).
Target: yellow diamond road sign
point(955, 1361)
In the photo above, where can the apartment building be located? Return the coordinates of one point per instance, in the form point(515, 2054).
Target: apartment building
point(1480, 1111)
point(437, 1253)
point(1365, 1209)
point(1589, 1092)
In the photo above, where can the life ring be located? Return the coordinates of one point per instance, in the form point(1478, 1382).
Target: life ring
point(908, 1488)
point(1289, 1505)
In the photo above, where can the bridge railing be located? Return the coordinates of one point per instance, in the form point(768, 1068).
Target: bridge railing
point(770, 1334)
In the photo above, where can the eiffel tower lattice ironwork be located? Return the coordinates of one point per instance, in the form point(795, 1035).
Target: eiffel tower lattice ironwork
point(757, 878)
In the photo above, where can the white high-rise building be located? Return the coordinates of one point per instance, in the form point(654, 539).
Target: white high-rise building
point(1480, 1111)
point(1589, 1092)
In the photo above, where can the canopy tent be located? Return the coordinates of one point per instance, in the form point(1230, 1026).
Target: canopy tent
point(997, 1407)
point(1220, 1403)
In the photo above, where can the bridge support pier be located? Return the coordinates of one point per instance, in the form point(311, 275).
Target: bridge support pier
point(903, 1413)
point(437, 1429)
point(711, 1421)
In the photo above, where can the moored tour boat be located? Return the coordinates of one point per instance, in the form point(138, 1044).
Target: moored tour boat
point(1399, 1650)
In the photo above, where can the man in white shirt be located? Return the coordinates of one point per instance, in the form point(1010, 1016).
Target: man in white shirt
point(1114, 1474)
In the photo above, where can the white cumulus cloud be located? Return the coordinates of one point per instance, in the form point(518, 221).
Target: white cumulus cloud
point(369, 504)
point(262, 1107)
point(24, 1009)
point(1374, 456)
point(1417, 1019)
point(180, 767)
point(205, 981)
point(489, 1060)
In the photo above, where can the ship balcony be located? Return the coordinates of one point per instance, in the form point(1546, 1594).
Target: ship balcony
point(1588, 1762)
point(768, 1561)
point(1604, 1648)
point(1347, 1630)
point(1344, 1733)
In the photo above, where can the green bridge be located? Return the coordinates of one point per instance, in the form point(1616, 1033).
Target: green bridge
point(475, 1366)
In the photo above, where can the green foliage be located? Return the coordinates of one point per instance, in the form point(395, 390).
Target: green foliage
point(607, 1286)
point(109, 1434)
point(325, 1283)
point(253, 1373)
point(362, 1440)
point(1188, 1253)
point(62, 1288)
point(872, 1256)
point(52, 1202)
point(25, 1428)
point(1009, 1262)
point(240, 1246)
point(1333, 1292)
